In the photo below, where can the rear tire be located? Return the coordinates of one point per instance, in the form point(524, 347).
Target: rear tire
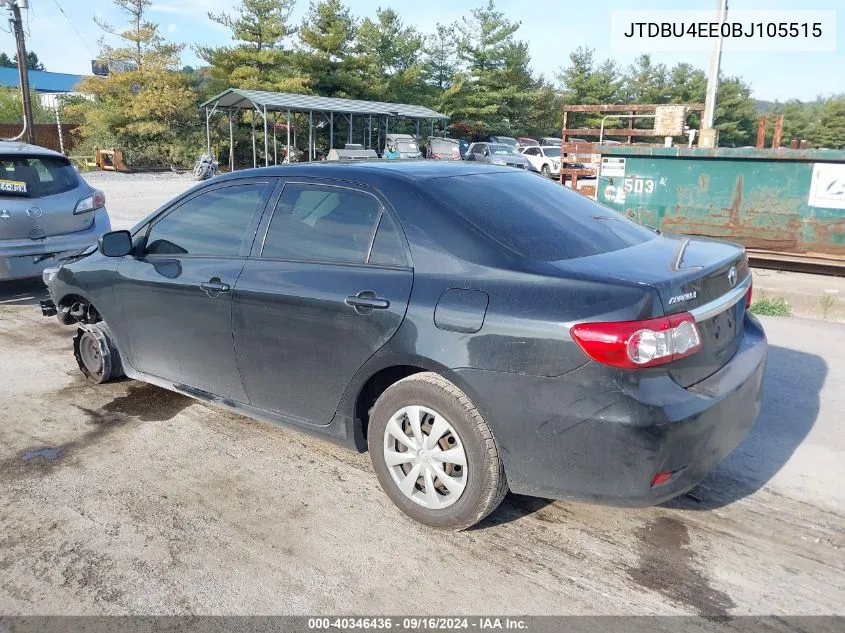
point(424, 423)
point(546, 171)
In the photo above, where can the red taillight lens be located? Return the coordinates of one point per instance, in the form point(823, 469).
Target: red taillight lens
point(748, 295)
point(634, 344)
point(661, 478)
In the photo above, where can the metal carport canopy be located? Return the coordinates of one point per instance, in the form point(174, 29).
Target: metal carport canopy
point(282, 101)
point(262, 102)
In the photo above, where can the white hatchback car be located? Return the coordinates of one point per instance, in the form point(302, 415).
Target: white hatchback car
point(546, 160)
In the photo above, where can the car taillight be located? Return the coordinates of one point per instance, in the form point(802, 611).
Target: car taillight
point(749, 294)
point(635, 344)
point(436, 155)
point(89, 203)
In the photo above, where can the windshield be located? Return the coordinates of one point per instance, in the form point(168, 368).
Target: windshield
point(407, 146)
point(503, 150)
point(552, 152)
point(507, 140)
point(35, 176)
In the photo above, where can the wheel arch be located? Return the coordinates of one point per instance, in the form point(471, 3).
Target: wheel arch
point(376, 377)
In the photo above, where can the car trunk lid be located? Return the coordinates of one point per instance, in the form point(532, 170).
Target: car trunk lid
point(694, 275)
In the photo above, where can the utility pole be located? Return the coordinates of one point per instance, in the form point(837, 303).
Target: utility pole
point(17, 26)
point(708, 136)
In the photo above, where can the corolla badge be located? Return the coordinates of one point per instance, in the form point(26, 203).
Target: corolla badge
point(689, 296)
point(732, 276)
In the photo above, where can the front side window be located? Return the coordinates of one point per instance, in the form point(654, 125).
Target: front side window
point(319, 222)
point(215, 222)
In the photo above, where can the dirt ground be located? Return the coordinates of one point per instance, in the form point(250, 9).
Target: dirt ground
point(125, 498)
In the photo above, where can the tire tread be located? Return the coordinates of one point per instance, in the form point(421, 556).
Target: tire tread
point(497, 483)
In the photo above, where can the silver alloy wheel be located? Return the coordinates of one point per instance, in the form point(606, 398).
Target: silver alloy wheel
point(425, 457)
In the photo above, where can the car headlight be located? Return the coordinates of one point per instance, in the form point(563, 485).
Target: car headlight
point(96, 200)
point(498, 161)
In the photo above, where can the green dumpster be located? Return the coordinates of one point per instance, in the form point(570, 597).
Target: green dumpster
point(785, 201)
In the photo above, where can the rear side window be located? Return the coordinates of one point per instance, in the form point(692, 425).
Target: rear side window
point(387, 246)
point(215, 222)
point(535, 217)
point(322, 223)
point(35, 176)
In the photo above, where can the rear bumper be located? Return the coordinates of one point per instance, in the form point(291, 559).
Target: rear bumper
point(590, 435)
point(20, 259)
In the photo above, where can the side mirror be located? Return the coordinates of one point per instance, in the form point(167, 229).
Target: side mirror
point(115, 244)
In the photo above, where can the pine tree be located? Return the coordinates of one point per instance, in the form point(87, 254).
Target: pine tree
point(148, 111)
point(391, 55)
point(325, 54)
point(830, 130)
point(259, 59)
point(736, 115)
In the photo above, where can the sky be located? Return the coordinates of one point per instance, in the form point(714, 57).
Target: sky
point(551, 27)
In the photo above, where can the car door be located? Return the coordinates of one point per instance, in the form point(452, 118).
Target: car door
point(532, 154)
point(327, 286)
point(176, 293)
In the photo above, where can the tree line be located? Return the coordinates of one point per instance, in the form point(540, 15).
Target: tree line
point(476, 70)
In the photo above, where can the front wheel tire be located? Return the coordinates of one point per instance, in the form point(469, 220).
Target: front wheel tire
point(96, 353)
point(434, 454)
point(546, 171)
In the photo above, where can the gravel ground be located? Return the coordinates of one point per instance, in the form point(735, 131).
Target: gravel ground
point(125, 498)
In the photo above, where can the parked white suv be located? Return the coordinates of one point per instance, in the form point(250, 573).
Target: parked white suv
point(545, 159)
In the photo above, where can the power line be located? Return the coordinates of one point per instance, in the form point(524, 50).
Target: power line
point(78, 34)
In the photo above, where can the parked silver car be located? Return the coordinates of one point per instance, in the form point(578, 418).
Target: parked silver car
point(46, 210)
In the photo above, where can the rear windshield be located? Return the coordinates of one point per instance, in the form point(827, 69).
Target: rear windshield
point(35, 176)
point(535, 217)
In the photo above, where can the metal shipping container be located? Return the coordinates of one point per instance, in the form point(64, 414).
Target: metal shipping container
point(786, 201)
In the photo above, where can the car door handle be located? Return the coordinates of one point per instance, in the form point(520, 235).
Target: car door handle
point(214, 287)
point(367, 299)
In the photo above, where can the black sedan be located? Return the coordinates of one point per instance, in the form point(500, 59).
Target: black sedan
point(478, 329)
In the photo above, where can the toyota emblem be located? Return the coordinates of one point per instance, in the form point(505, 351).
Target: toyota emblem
point(34, 212)
point(732, 276)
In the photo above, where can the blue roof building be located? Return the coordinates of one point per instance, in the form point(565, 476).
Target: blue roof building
point(48, 86)
point(40, 81)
